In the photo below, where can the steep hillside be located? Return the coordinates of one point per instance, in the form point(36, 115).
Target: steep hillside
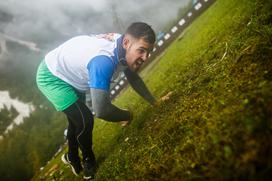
point(214, 118)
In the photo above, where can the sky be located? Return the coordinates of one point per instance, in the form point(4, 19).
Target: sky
point(54, 19)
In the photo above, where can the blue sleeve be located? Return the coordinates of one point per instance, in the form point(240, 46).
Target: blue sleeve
point(100, 70)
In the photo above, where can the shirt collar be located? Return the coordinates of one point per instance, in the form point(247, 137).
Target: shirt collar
point(121, 52)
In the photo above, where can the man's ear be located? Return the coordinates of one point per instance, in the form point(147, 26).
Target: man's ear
point(126, 42)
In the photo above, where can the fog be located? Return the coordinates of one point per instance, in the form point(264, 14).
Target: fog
point(45, 21)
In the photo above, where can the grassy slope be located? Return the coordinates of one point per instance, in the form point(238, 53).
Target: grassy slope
point(216, 124)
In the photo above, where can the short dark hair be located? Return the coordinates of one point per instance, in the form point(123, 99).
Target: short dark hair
point(142, 30)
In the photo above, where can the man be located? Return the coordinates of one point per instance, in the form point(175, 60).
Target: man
point(91, 63)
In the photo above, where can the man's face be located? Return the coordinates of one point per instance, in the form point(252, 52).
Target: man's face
point(137, 51)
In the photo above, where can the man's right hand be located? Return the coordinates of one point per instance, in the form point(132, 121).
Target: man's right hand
point(124, 123)
point(127, 122)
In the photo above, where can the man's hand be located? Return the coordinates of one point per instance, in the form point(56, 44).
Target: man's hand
point(163, 99)
point(127, 122)
point(166, 97)
point(124, 123)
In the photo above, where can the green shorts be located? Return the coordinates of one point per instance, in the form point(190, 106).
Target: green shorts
point(58, 92)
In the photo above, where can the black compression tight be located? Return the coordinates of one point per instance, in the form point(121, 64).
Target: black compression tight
point(80, 127)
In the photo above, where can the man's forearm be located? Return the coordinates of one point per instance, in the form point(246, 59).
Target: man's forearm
point(139, 86)
point(103, 108)
point(142, 90)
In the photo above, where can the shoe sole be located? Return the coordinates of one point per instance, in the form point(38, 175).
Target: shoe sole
point(67, 163)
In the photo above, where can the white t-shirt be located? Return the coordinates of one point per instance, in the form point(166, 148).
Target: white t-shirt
point(72, 61)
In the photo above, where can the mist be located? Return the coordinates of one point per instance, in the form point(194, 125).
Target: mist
point(46, 22)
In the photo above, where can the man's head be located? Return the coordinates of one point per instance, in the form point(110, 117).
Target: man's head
point(138, 42)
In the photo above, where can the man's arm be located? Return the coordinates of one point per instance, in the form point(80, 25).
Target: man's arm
point(100, 72)
point(103, 108)
point(139, 86)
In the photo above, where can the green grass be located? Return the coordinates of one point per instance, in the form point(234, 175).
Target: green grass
point(216, 124)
